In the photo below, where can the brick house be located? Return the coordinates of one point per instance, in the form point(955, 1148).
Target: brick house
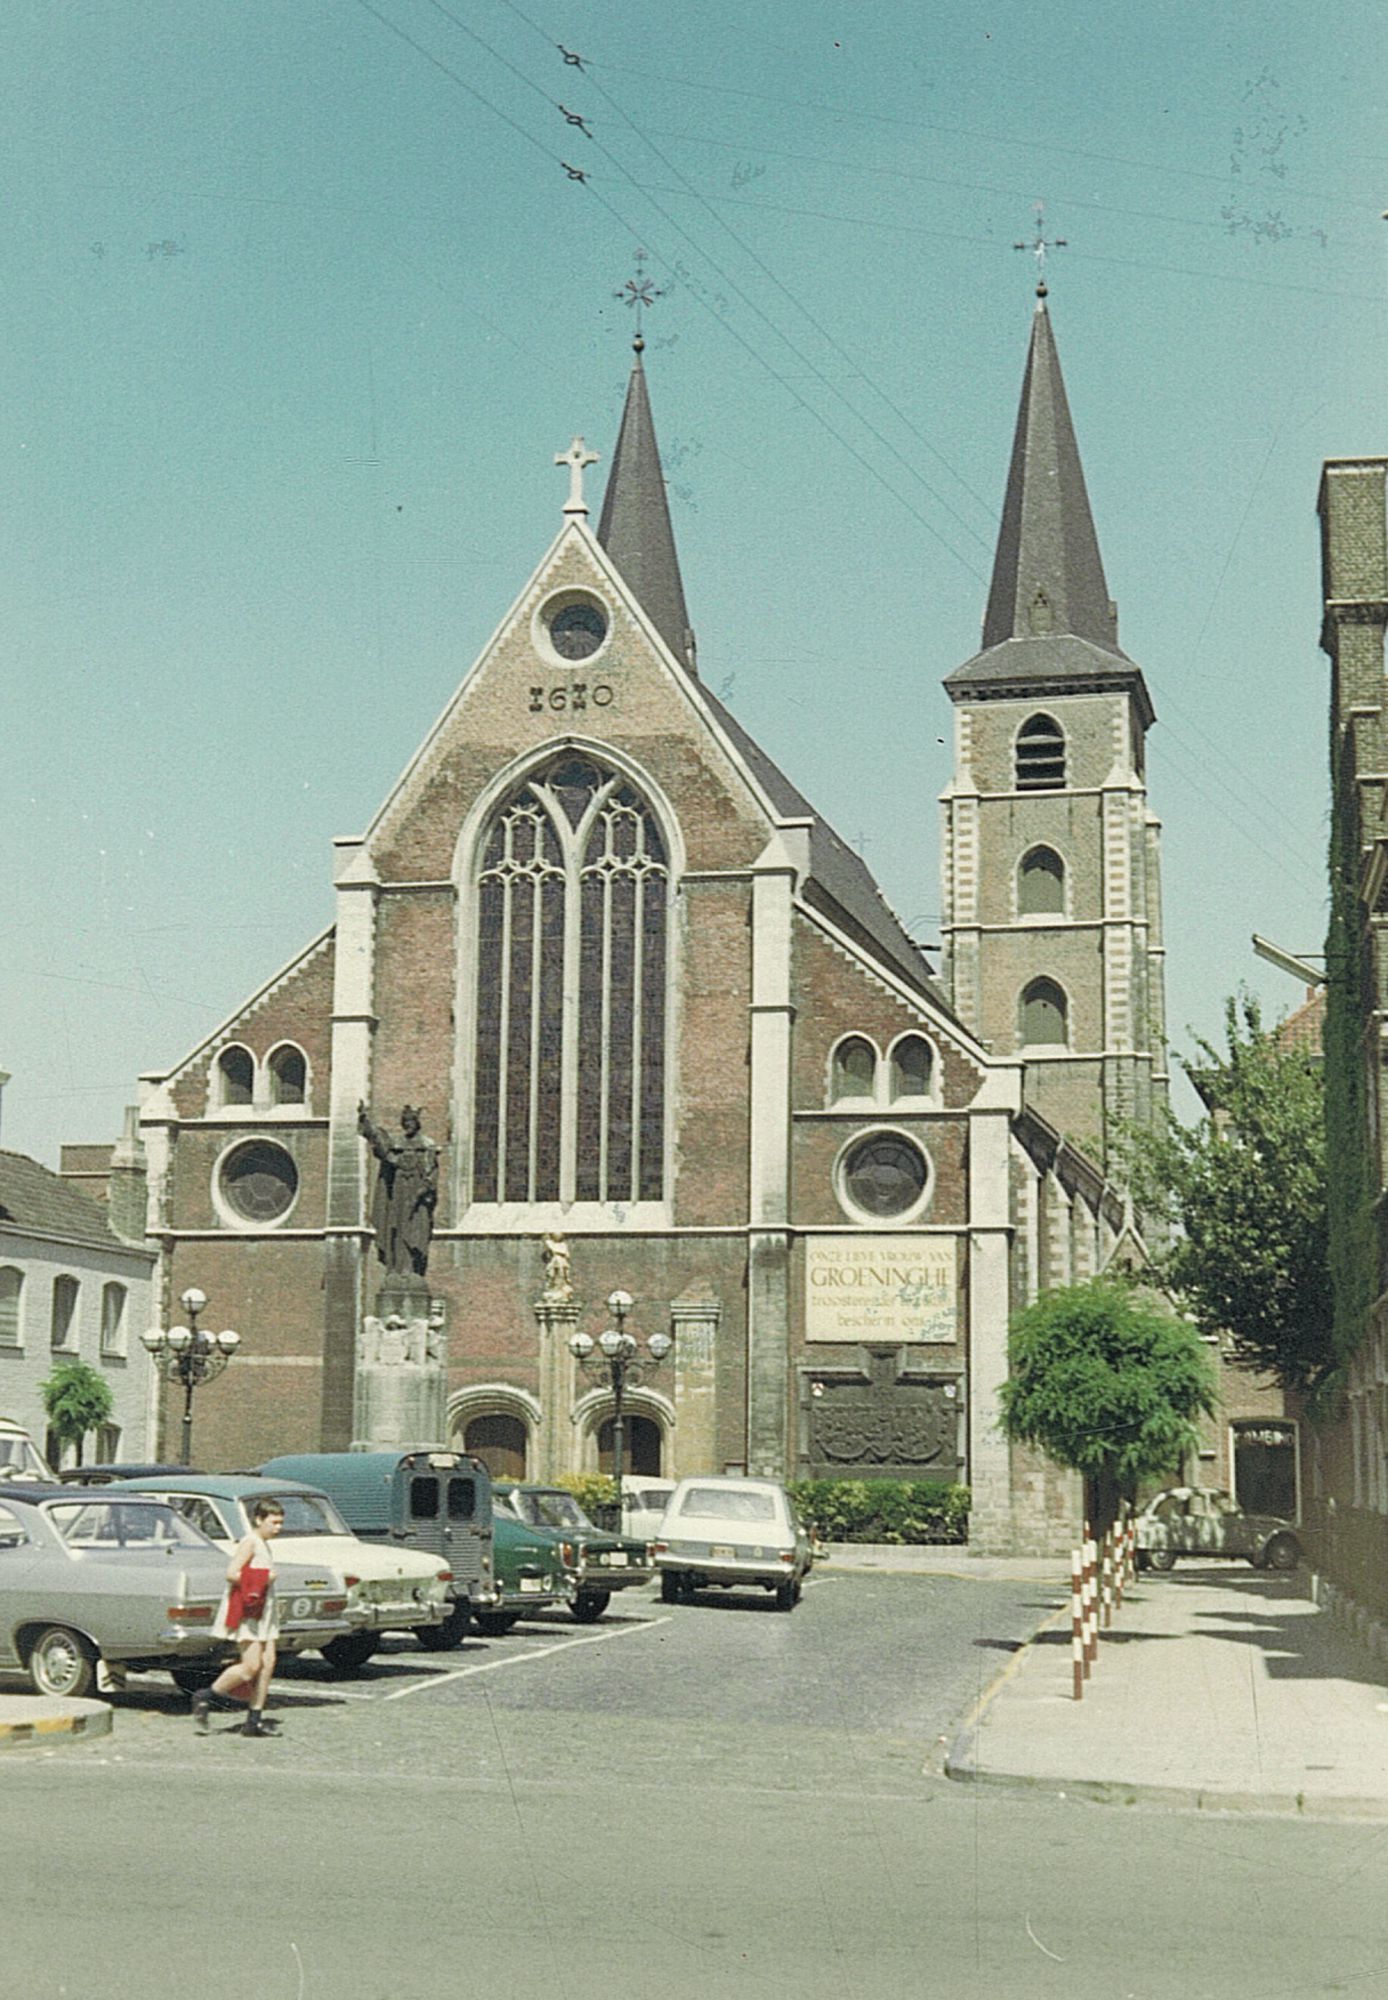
point(647, 999)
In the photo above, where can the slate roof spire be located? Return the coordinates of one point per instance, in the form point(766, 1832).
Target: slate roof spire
point(635, 527)
point(1047, 574)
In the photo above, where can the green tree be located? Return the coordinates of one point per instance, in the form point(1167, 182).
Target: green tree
point(1243, 1194)
point(75, 1400)
point(1105, 1379)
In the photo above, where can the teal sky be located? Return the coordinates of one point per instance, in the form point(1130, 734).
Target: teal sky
point(299, 303)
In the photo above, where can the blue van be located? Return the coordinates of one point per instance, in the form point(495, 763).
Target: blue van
point(437, 1501)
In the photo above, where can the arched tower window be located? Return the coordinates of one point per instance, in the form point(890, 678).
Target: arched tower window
point(288, 1075)
point(573, 895)
point(1041, 883)
point(854, 1069)
point(1040, 755)
point(913, 1062)
point(1045, 1013)
point(235, 1075)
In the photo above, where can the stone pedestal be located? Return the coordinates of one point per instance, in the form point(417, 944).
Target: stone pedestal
point(401, 1388)
point(556, 1445)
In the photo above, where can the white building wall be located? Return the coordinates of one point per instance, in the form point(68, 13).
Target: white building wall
point(26, 1362)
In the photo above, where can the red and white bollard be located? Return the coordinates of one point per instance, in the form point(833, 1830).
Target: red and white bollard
point(1077, 1622)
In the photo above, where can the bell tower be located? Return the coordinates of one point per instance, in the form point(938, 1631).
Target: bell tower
point(1049, 852)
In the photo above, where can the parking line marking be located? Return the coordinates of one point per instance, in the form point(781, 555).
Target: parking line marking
point(521, 1659)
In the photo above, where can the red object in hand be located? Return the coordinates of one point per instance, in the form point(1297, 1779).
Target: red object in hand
point(248, 1595)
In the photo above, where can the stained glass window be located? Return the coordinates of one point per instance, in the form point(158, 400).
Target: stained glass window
point(573, 898)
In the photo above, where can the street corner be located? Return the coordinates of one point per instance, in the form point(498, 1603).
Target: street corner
point(27, 1719)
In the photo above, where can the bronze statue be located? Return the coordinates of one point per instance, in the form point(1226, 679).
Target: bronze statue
point(407, 1189)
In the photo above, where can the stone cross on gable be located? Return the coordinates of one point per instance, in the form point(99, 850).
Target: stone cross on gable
point(576, 458)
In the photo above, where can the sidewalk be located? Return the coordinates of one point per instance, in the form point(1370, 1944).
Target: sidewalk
point(940, 1559)
point(33, 1718)
point(1216, 1687)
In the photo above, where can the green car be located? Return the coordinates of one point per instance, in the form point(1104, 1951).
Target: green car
point(528, 1571)
point(597, 1563)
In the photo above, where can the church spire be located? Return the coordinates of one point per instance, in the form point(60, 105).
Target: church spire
point(1047, 574)
point(635, 524)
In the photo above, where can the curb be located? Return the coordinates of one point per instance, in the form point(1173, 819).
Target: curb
point(960, 1764)
point(87, 1718)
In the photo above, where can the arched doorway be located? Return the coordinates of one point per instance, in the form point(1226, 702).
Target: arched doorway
point(500, 1442)
point(641, 1451)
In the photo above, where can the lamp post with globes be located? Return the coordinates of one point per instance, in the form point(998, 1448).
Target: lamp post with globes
point(191, 1356)
point(616, 1357)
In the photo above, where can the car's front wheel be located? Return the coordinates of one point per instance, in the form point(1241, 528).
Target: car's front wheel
point(1162, 1559)
point(351, 1650)
point(443, 1638)
point(62, 1663)
point(589, 1606)
point(1281, 1553)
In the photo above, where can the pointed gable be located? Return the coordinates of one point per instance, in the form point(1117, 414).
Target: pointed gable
point(634, 526)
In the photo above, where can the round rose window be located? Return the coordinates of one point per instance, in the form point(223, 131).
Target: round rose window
point(884, 1175)
point(259, 1181)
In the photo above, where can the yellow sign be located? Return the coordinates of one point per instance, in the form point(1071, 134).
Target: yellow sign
point(881, 1288)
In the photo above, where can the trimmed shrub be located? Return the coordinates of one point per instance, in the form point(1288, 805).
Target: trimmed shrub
point(883, 1510)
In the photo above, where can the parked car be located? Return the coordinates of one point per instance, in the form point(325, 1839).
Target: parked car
point(435, 1501)
point(598, 1563)
point(104, 1475)
point(389, 1589)
point(530, 1574)
point(20, 1457)
point(727, 1533)
point(1198, 1521)
point(89, 1575)
point(644, 1500)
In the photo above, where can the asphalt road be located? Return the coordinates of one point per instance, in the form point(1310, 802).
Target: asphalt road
point(680, 1803)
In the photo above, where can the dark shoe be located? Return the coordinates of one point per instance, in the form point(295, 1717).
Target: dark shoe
point(202, 1709)
point(256, 1724)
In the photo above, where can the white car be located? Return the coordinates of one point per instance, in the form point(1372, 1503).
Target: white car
point(20, 1457)
point(729, 1533)
point(388, 1589)
point(644, 1501)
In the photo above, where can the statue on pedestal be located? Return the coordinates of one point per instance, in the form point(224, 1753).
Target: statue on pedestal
point(407, 1191)
point(558, 1279)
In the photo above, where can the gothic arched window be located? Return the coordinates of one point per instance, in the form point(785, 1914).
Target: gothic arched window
point(1045, 1013)
point(235, 1075)
point(913, 1061)
point(854, 1069)
point(1040, 755)
point(1041, 883)
point(573, 894)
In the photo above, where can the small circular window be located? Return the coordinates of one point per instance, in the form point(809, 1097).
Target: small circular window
point(883, 1175)
point(258, 1181)
point(577, 630)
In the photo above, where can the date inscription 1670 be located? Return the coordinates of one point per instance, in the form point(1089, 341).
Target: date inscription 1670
point(572, 696)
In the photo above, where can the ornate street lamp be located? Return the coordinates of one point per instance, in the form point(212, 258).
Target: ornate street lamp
point(618, 1360)
point(189, 1355)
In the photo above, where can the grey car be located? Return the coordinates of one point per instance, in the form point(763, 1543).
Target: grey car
point(1199, 1521)
point(87, 1576)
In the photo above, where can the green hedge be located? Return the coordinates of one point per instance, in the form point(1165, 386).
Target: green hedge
point(883, 1510)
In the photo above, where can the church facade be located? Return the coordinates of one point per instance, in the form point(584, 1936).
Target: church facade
point(666, 1038)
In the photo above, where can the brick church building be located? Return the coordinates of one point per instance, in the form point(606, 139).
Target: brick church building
point(649, 1002)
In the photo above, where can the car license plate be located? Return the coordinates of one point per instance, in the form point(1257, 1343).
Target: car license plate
point(617, 1559)
point(532, 1583)
point(722, 1550)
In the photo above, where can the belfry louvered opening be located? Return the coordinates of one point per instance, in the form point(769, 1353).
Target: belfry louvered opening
point(1040, 755)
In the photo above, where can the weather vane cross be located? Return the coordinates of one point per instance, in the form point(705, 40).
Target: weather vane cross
point(576, 458)
point(639, 291)
point(1038, 247)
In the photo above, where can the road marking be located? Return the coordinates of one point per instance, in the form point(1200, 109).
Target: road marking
point(522, 1659)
